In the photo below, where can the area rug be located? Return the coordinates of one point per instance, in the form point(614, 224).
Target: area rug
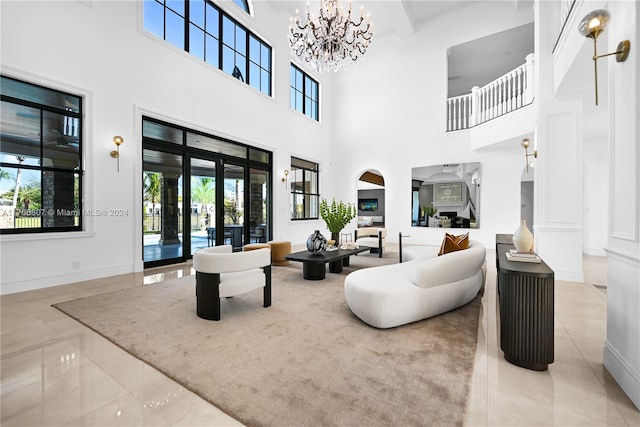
point(306, 360)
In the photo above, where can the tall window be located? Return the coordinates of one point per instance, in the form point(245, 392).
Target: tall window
point(304, 93)
point(304, 189)
point(204, 30)
point(40, 159)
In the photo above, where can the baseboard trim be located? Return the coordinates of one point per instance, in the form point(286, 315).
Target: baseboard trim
point(594, 251)
point(62, 279)
point(569, 276)
point(622, 372)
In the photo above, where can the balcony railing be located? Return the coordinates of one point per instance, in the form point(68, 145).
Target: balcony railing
point(507, 93)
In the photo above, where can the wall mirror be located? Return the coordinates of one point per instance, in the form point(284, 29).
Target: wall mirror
point(446, 196)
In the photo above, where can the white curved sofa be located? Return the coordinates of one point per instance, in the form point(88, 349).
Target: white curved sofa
point(397, 294)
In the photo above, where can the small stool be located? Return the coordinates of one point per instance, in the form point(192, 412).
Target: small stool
point(253, 246)
point(278, 252)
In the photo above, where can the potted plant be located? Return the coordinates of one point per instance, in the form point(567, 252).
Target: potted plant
point(429, 212)
point(336, 216)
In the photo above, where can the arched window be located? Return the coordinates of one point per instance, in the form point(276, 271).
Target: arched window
point(243, 4)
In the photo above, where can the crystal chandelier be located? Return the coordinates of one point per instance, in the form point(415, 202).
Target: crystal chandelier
point(333, 39)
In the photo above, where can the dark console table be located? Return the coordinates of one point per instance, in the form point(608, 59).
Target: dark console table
point(313, 266)
point(525, 294)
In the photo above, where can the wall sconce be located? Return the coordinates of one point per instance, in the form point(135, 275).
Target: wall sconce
point(591, 26)
point(525, 144)
point(285, 176)
point(475, 179)
point(118, 140)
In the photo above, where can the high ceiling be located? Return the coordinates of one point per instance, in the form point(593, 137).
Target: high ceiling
point(470, 64)
point(481, 61)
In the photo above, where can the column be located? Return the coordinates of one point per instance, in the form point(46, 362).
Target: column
point(622, 344)
point(170, 210)
point(558, 190)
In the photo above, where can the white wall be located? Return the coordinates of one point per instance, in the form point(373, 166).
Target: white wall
point(622, 346)
point(596, 195)
point(389, 114)
point(100, 51)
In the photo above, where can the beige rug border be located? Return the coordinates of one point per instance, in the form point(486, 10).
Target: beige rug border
point(228, 410)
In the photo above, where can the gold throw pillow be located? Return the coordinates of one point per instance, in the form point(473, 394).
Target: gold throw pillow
point(452, 243)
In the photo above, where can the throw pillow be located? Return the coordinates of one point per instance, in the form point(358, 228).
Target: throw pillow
point(453, 243)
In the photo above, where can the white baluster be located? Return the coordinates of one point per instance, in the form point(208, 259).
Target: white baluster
point(519, 88)
point(495, 99)
point(502, 90)
point(485, 104)
point(491, 102)
point(448, 114)
point(466, 113)
point(509, 92)
point(481, 118)
point(454, 114)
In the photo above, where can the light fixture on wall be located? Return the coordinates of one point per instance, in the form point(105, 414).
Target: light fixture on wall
point(332, 39)
point(285, 176)
point(592, 26)
point(118, 140)
point(475, 179)
point(525, 144)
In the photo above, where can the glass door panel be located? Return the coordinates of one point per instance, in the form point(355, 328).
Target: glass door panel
point(203, 204)
point(234, 206)
point(162, 206)
point(258, 203)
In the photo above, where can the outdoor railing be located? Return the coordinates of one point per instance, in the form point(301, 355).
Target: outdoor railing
point(153, 223)
point(507, 93)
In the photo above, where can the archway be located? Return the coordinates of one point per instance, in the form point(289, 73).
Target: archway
point(371, 199)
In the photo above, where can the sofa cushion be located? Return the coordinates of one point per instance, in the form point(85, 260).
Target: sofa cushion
point(450, 267)
point(392, 295)
point(452, 243)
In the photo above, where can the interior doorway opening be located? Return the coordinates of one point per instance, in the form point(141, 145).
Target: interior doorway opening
point(371, 199)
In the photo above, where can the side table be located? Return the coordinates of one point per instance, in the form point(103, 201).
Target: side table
point(526, 301)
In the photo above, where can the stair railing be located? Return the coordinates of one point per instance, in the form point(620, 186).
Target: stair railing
point(507, 93)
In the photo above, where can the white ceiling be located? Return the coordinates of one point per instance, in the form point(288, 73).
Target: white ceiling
point(470, 64)
point(481, 61)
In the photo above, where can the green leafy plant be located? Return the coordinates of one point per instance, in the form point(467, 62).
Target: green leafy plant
point(336, 215)
point(430, 211)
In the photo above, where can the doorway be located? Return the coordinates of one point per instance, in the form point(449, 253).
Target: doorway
point(371, 199)
point(199, 191)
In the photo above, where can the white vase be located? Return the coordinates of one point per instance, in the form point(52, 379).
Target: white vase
point(522, 238)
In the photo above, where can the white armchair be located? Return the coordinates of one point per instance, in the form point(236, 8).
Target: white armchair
point(222, 273)
point(373, 237)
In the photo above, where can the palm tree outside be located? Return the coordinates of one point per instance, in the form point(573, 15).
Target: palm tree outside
point(152, 189)
point(203, 192)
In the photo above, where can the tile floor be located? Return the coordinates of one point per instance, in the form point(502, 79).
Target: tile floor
point(56, 372)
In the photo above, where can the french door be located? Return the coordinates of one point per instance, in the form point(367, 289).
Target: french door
point(201, 191)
